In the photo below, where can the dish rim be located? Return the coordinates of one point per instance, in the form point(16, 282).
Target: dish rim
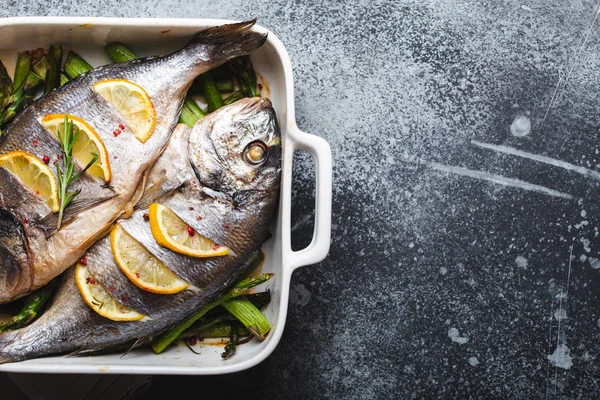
point(317, 250)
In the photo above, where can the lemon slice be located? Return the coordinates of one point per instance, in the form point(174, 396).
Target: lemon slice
point(34, 174)
point(141, 267)
point(171, 232)
point(88, 142)
point(133, 103)
point(100, 299)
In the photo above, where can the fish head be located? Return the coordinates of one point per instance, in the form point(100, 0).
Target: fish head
point(236, 150)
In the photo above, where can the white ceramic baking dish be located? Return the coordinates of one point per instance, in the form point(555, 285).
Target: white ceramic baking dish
point(87, 36)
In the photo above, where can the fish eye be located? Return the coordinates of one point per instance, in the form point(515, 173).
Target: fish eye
point(256, 153)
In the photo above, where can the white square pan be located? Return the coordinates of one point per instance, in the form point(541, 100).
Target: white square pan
point(87, 36)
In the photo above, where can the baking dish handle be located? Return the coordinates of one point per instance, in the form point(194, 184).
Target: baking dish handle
point(320, 150)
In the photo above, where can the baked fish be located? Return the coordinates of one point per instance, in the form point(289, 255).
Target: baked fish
point(222, 180)
point(127, 113)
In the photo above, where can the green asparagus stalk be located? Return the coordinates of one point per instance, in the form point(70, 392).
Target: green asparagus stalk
point(241, 288)
point(224, 85)
point(41, 67)
point(63, 79)
point(194, 107)
point(190, 112)
point(206, 324)
point(52, 81)
point(33, 307)
point(235, 96)
point(20, 98)
point(75, 65)
point(220, 316)
point(242, 67)
point(37, 55)
point(187, 117)
point(249, 315)
point(22, 68)
point(221, 330)
point(5, 86)
point(119, 53)
point(233, 339)
point(211, 93)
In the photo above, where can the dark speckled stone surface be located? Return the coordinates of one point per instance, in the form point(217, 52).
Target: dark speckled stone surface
point(465, 251)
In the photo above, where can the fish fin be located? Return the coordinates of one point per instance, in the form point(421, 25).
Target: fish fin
point(88, 352)
point(140, 191)
point(101, 233)
point(75, 353)
point(49, 222)
point(138, 343)
point(96, 351)
point(225, 42)
point(8, 338)
point(155, 197)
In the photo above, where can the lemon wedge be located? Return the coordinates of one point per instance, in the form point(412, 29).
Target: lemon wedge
point(34, 174)
point(141, 267)
point(172, 232)
point(133, 103)
point(100, 299)
point(88, 142)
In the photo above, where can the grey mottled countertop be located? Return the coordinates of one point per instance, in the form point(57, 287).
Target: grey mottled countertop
point(465, 253)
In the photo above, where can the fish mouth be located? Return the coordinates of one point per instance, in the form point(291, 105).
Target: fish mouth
point(15, 271)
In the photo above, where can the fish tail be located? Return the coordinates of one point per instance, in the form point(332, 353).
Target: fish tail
point(7, 351)
point(224, 42)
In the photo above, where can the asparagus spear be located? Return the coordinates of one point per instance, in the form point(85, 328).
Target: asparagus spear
point(235, 96)
point(63, 78)
point(233, 339)
point(5, 86)
point(33, 307)
point(25, 84)
point(75, 65)
point(119, 53)
point(241, 288)
point(209, 90)
point(220, 316)
point(190, 112)
point(22, 69)
point(52, 81)
point(242, 67)
point(249, 315)
point(224, 85)
point(221, 330)
point(20, 98)
point(187, 116)
point(41, 66)
point(37, 55)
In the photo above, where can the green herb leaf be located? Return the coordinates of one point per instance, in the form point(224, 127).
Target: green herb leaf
point(66, 174)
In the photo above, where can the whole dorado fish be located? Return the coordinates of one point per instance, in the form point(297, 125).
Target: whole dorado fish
point(32, 249)
point(222, 179)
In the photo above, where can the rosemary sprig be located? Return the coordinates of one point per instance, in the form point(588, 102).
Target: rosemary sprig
point(66, 174)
